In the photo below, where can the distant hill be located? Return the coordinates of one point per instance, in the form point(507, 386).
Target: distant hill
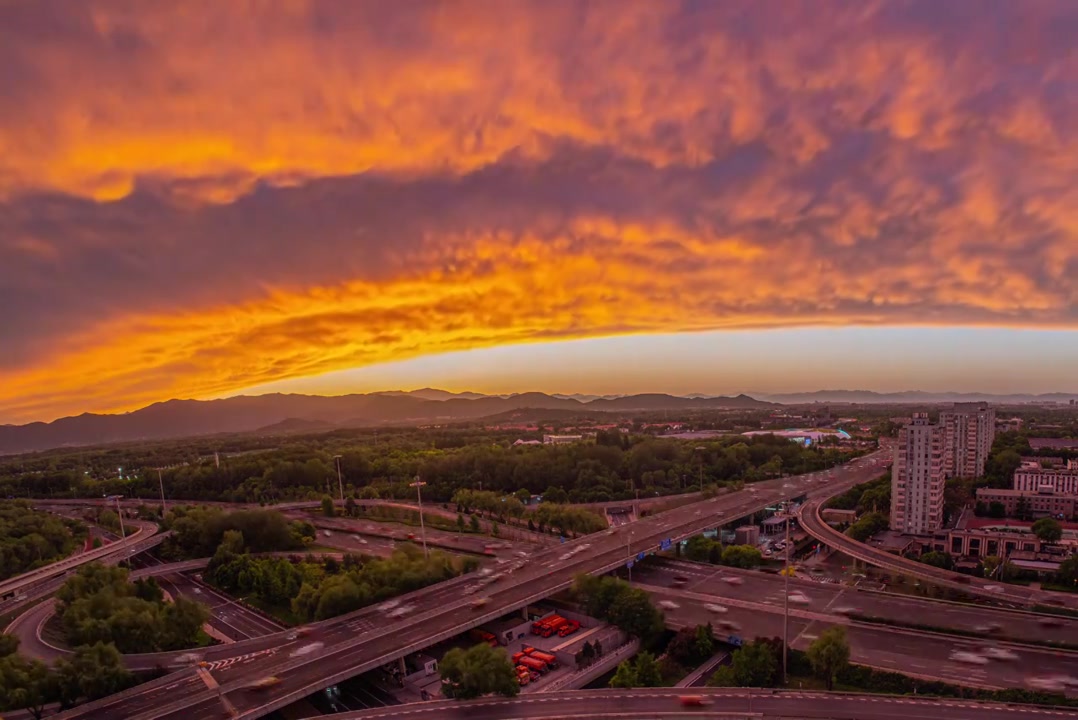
point(276, 413)
point(866, 397)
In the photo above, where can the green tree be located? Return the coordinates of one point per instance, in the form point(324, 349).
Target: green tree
point(752, 665)
point(996, 510)
point(494, 532)
point(647, 671)
point(92, 672)
point(704, 641)
point(741, 556)
point(867, 525)
point(938, 559)
point(350, 506)
point(327, 507)
point(26, 684)
point(480, 670)
point(460, 523)
point(1068, 572)
point(698, 548)
point(829, 654)
point(9, 645)
point(523, 496)
point(474, 523)
point(624, 676)
point(1048, 530)
point(633, 612)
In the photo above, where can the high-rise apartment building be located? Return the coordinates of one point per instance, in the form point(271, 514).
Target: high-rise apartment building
point(969, 430)
point(917, 478)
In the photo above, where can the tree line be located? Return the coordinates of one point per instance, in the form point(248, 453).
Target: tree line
point(30, 539)
point(614, 467)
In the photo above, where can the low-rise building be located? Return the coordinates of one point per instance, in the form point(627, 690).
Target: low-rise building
point(1028, 503)
point(561, 439)
point(1063, 481)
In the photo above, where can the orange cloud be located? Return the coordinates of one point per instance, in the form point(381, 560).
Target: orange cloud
point(201, 197)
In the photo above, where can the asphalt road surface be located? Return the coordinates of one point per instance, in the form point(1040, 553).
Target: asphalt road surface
point(440, 614)
point(827, 597)
point(726, 703)
point(228, 617)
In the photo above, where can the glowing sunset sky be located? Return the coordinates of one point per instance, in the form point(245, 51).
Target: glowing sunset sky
point(199, 199)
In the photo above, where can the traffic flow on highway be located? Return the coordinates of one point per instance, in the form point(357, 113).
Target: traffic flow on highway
point(436, 617)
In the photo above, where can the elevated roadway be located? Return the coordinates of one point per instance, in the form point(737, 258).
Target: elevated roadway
point(768, 589)
point(348, 653)
point(651, 703)
point(811, 520)
point(15, 585)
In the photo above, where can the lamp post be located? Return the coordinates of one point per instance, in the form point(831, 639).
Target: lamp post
point(119, 513)
point(786, 599)
point(340, 483)
point(418, 485)
point(161, 485)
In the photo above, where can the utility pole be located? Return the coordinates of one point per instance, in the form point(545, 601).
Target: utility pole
point(340, 483)
point(786, 600)
point(628, 555)
point(161, 484)
point(418, 485)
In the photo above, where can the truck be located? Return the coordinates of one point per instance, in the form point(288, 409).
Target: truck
point(524, 675)
point(550, 625)
point(569, 628)
point(550, 660)
point(533, 663)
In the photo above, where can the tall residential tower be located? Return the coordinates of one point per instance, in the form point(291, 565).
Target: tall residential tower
point(927, 454)
point(917, 478)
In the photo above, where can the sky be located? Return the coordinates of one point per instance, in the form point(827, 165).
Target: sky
point(203, 198)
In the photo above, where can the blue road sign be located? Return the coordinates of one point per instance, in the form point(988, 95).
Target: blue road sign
point(630, 564)
point(734, 640)
point(666, 544)
point(641, 555)
point(562, 538)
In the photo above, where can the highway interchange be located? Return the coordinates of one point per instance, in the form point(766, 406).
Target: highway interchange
point(346, 655)
point(364, 640)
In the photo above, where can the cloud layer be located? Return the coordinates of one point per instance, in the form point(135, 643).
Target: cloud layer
point(201, 197)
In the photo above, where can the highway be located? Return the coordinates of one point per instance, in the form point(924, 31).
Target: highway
point(228, 617)
point(21, 583)
point(652, 703)
point(766, 588)
point(918, 654)
point(348, 653)
point(811, 521)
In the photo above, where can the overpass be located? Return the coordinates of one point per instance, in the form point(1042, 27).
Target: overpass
point(37, 582)
point(812, 522)
point(346, 655)
point(732, 703)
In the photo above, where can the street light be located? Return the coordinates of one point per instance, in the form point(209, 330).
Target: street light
point(119, 512)
point(628, 555)
point(161, 484)
point(340, 483)
point(418, 485)
point(786, 602)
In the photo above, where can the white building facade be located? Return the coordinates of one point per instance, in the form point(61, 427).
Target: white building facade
point(917, 478)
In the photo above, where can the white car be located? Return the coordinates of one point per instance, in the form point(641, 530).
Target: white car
point(566, 556)
point(998, 653)
point(307, 649)
point(799, 598)
point(732, 580)
point(712, 607)
point(388, 605)
point(402, 611)
point(1047, 684)
point(969, 658)
point(993, 588)
point(844, 610)
point(668, 605)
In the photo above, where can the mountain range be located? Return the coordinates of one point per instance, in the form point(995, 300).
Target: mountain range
point(276, 413)
point(869, 397)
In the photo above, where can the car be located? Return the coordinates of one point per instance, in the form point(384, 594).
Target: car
point(693, 701)
point(296, 634)
point(680, 579)
point(732, 580)
point(198, 591)
point(712, 607)
point(989, 628)
point(969, 658)
point(402, 611)
point(729, 626)
point(565, 557)
point(307, 649)
point(521, 554)
point(1051, 621)
point(993, 588)
point(479, 602)
point(668, 605)
point(1052, 684)
point(799, 598)
point(189, 659)
point(999, 653)
point(388, 605)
